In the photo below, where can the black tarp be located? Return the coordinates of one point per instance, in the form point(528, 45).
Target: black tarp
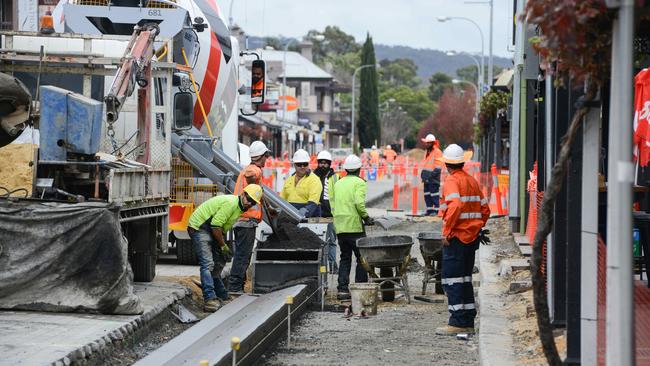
point(64, 257)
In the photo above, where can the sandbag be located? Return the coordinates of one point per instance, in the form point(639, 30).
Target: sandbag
point(62, 257)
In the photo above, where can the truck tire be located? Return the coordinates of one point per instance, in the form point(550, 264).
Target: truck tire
point(185, 252)
point(144, 267)
point(388, 288)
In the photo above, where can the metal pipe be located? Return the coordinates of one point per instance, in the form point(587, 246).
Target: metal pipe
point(491, 59)
point(589, 240)
point(515, 123)
point(620, 174)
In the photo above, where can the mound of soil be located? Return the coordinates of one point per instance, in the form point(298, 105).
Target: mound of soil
point(290, 236)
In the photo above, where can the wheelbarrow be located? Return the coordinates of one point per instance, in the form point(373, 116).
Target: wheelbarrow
point(391, 254)
point(431, 249)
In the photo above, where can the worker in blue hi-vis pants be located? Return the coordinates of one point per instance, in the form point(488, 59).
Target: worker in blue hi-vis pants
point(465, 212)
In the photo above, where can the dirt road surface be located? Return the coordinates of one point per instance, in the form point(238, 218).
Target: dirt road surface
point(400, 333)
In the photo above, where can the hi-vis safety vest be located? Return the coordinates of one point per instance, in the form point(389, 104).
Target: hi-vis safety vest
point(431, 159)
point(465, 210)
point(254, 172)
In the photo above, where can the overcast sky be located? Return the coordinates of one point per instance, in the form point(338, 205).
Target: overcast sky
point(392, 22)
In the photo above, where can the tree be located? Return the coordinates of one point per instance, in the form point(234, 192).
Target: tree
point(452, 122)
point(369, 128)
point(469, 73)
point(415, 102)
point(438, 82)
point(335, 41)
point(398, 72)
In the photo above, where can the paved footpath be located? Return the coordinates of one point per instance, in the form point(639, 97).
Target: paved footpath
point(36, 338)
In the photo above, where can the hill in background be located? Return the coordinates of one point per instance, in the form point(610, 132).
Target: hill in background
point(428, 61)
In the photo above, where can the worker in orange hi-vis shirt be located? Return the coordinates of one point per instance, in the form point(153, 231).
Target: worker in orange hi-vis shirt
point(465, 212)
point(247, 224)
point(430, 174)
point(374, 156)
point(389, 155)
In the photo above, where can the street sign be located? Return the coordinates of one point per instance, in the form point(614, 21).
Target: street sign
point(292, 103)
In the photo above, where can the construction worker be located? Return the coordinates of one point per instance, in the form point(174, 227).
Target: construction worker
point(328, 178)
point(349, 212)
point(245, 227)
point(389, 154)
point(207, 227)
point(303, 189)
point(430, 175)
point(374, 156)
point(465, 212)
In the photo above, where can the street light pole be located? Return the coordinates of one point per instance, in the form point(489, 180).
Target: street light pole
point(443, 19)
point(284, 79)
point(354, 85)
point(458, 81)
point(479, 76)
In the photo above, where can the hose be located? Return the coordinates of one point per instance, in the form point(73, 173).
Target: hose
point(11, 192)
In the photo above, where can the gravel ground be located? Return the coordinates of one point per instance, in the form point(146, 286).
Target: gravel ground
point(400, 333)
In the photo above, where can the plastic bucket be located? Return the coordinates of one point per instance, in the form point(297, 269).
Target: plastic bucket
point(364, 297)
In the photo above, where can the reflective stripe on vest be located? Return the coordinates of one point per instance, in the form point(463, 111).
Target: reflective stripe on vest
point(470, 215)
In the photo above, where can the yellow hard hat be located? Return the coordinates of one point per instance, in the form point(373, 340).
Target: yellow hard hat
point(255, 192)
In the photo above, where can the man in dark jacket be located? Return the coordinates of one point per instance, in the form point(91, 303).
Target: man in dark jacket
point(327, 178)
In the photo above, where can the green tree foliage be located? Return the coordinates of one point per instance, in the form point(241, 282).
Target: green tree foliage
point(438, 82)
point(415, 102)
point(335, 42)
point(403, 111)
point(369, 128)
point(469, 73)
point(399, 72)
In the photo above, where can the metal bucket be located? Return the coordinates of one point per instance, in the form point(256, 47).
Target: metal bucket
point(430, 243)
point(364, 297)
point(388, 250)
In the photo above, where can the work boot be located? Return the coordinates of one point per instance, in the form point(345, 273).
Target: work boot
point(343, 296)
point(212, 305)
point(450, 330)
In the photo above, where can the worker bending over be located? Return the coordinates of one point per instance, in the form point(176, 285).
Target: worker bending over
point(245, 227)
point(207, 227)
point(327, 178)
point(303, 189)
point(430, 175)
point(349, 211)
point(465, 212)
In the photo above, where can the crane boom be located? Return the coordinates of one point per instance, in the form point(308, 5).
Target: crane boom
point(135, 68)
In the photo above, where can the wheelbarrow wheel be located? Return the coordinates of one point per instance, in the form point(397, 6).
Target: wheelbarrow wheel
point(388, 288)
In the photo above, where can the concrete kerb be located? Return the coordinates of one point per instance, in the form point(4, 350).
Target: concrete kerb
point(495, 341)
point(117, 335)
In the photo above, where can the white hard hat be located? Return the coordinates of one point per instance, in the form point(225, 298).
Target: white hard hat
point(300, 156)
point(374, 146)
point(453, 154)
point(257, 149)
point(388, 147)
point(429, 138)
point(324, 155)
point(352, 162)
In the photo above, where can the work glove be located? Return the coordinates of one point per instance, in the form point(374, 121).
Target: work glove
point(226, 253)
point(368, 221)
point(303, 211)
point(483, 237)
